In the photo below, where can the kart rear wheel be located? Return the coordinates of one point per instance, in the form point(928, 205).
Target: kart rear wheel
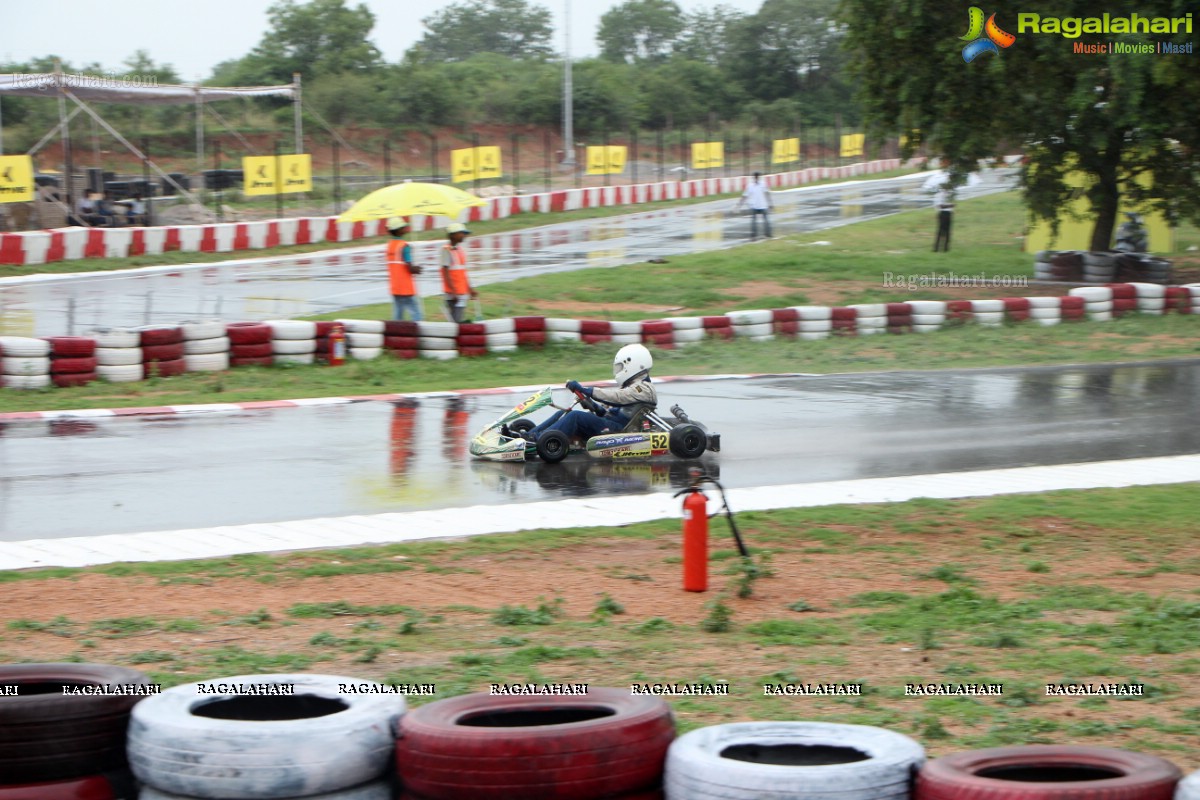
point(687, 441)
point(553, 446)
point(521, 426)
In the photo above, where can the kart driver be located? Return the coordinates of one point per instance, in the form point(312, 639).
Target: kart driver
point(631, 370)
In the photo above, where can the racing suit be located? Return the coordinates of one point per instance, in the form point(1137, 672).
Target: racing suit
point(625, 401)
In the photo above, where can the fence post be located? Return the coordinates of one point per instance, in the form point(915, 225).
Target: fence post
point(278, 177)
point(149, 220)
point(337, 178)
point(433, 158)
point(546, 157)
point(216, 179)
point(633, 152)
point(387, 162)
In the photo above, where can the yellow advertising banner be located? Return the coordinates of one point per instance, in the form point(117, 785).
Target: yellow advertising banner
point(1076, 221)
point(487, 162)
point(462, 165)
point(16, 179)
point(259, 176)
point(608, 160)
point(852, 144)
point(785, 151)
point(296, 173)
point(708, 155)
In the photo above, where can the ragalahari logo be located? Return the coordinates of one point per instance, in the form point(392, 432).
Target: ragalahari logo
point(979, 44)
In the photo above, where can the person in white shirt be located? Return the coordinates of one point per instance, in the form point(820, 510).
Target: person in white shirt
point(759, 200)
point(943, 201)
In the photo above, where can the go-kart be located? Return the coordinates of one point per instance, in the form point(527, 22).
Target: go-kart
point(647, 434)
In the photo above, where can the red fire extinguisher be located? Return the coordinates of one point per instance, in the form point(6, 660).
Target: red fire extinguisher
point(337, 346)
point(695, 541)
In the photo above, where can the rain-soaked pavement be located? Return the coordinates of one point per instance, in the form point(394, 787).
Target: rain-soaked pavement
point(285, 287)
point(124, 475)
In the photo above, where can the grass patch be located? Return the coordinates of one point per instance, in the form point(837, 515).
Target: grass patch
point(341, 608)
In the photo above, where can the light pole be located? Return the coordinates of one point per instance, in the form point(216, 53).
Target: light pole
point(568, 91)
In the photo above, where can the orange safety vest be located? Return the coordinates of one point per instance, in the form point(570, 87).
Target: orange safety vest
point(454, 279)
point(399, 278)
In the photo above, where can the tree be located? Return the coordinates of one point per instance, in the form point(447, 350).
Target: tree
point(514, 28)
point(1117, 118)
point(705, 35)
point(639, 31)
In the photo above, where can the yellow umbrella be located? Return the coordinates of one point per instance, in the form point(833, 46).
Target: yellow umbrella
point(405, 199)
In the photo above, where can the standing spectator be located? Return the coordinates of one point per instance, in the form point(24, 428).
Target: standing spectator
point(455, 284)
point(759, 200)
point(401, 270)
point(943, 201)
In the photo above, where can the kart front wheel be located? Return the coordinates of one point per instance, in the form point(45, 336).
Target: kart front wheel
point(521, 426)
point(687, 441)
point(553, 446)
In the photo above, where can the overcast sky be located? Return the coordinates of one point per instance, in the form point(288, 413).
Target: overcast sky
point(193, 36)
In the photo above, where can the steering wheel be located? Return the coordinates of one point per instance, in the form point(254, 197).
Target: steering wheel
point(590, 404)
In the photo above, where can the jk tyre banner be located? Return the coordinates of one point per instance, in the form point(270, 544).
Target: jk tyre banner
point(708, 155)
point(260, 175)
point(608, 160)
point(16, 179)
point(852, 144)
point(785, 151)
point(295, 173)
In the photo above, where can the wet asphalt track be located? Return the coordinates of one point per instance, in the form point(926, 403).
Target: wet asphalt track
point(79, 477)
point(275, 288)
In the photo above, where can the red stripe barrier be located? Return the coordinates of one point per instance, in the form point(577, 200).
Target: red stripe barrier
point(12, 249)
point(95, 244)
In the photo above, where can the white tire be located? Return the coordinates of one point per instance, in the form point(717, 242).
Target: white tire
point(444, 330)
point(118, 356)
point(989, 317)
point(925, 328)
point(688, 335)
point(116, 338)
point(362, 325)
point(24, 347)
point(751, 318)
point(928, 307)
point(767, 337)
point(1151, 305)
point(503, 348)
point(1045, 313)
point(199, 347)
point(1044, 302)
point(442, 355)
point(25, 381)
point(629, 338)
point(206, 362)
point(869, 331)
point(238, 754)
point(928, 319)
point(1150, 290)
point(987, 306)
point(563, 336)
point(813, 313)
point(625, 328)
point(20, 365)
point(293, 358)
point(1106, 305)
point(734, 762)
point(1043, 272)
point(561, 325)
point(818, 325)
point(506, 339)
point(506, 325)
point(812, 336)
point(292, 329)
point(376, 790)
point(686, 323)
point(1189, 787)
point(1100, 316)
point(1047, 320)
point(1092, 293)
point(365, 340)
point(204, 329)
point(438, 343)
point(759, 329)
point(121, 373)
point(365, 353)
point(870, 310)
point(291, 347)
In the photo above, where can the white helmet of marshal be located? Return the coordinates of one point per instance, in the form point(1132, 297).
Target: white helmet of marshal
point(630, 361)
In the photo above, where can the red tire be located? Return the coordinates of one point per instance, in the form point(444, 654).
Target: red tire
point(73, 346)
point(252, 361)
point(93, 787)
point(958, 307)
point(595, 327)
point(161, 336)
point(666, 340)
point(529, 324)
point(400, 327)
point(260, 350)
point(472, 352)
point(899, 320)
point(899, 328)
point(595, 338)
point(325, 327)
point(716, 322)
point(1123, 291)
point(65, 379)
point(785, 315)
point(1015, 304)
point(68, 366)
point(533, 338)
point(472, 340)
point(1016, 315)
point(657, 328)
point(162, 352)
point(899, 310)
point(1124, 304)
point(720, 333)
point(405, 353)
point(164, 369)
point(604, 744)
point(46, 735)
point(248, 333)
point(404, 342)
point(787, 328)
point(471, 329)
point(1047, 772)
point(844, 314)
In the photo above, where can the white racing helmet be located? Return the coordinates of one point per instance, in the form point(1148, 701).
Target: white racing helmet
point(630, 361)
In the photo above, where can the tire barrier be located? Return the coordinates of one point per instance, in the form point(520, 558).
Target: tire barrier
point(314, 740)
point(1100, 267)
point(49, 736)
point(1189, 787)
point(375, 790)
point(110, 786)
point(791, 761)
point(158, 351)
point(602, 744)
point(1047, 772)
